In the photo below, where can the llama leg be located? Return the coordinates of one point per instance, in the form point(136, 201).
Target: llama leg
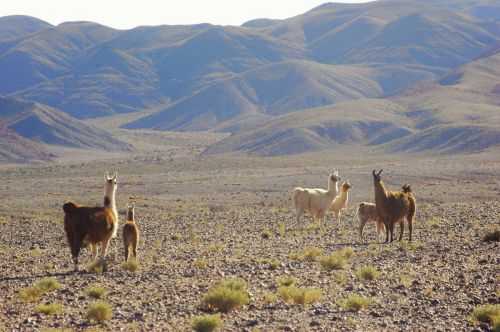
point(402, 229)
point(94, 250)
point(410, 227)
point(387, 229)
point(104, 247)
point(75, 251)
point(361, 226)
point(300, 212)
point(126, 252)
point(392, 231)
point(135, 249)
point(337, 216)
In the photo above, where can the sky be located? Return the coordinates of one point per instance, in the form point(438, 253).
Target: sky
point(126, 14)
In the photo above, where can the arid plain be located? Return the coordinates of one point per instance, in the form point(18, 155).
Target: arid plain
point(207, 218)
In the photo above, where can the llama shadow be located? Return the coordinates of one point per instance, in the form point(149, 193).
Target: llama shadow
point(42, 275)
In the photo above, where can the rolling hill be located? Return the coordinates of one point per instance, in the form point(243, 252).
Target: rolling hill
point(414, 75)
point(28, 127)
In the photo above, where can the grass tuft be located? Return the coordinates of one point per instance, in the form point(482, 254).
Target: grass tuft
point(489, 314)
point(30, 294)
point(355, 302)
point(287, 281)
point(311, 254)
point(49, 309)
point(96, 292)
point(367, 273)
point(303, 296)
point(131, 265)
point(48, 284)
point(332, 262)
point(227, 295)
point(99, 312)
point(206, 323)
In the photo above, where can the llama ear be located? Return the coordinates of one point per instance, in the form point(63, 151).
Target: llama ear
point(380, 172)
point(373, 172)
point(106, 176)
point(115, 175)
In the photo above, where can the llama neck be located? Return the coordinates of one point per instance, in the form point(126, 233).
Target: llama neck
point(130, 216)
point(380, 193)
point(110, 203)
point(333, 187)
point(344, 195)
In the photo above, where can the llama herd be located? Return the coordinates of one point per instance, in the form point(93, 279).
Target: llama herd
point(389, 207)
point(96, 226)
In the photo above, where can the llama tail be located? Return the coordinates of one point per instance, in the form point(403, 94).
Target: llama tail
point(406, 189)
point(69, 207)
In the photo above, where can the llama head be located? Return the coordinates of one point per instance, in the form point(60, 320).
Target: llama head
point(110, 184)
point(376, 176)
point(335, 177)
point(346, 186)
point(130, 211)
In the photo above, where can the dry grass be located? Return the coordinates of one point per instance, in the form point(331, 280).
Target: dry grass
point(206, 323)
point(99, 312)
point(226, 296)
point(355, 302)
point(489, 314)
point(49, 309)
point(130, 266)
point(367, 273)
point(96, 292)
point(296, 295)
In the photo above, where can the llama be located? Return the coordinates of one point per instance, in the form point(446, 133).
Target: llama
point(92, 225)
point(130, 233)
point(315, 200)
point(393, 207)
point(340, 202)
point(367, 212)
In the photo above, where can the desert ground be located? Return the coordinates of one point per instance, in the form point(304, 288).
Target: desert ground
point(205, 218)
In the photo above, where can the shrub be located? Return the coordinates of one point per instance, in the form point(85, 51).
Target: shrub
point(97, 267)
point(310, 254)
point(206, 323)
point(266, 234)
point(48, 284)
point(287, 281)
point(269, 298)
point(30, 294)
point(99, 311)
point(488, 313)
point(200, 263)
point(292, 294)
point(346, 252)
point(131, 265)
point(332, 262)
point(282, 229)
point(227, 295)
point(367, 273)
point(355, 302)
point(49, 309)
point(96, 292)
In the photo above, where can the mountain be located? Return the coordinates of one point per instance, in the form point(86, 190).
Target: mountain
point(459, 113)
point(45, 125)
point(17, 149)
point(17, 26)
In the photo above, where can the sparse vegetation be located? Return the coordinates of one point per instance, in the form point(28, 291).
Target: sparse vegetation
point(48, 284)
point(49, 309)
point(97, 267)
point(310, 254)
point(488, 313)
point(367, 273)
point(227, 295)
point(296, 295)
point(287, 281)
point(96, 292)
point(335, 261)
point(207, 323)
point(266, 234)
point(269, 298)
point(99, 312)
point(30, 294)
point(355, 302)
point(131, 265)
point(200, 263)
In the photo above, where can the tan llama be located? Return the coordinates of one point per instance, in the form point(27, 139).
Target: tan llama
point(130, 234)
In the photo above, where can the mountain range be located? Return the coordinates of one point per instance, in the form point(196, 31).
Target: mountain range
point(401, 76)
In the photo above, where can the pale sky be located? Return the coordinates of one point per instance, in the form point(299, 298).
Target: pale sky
point(127, 14)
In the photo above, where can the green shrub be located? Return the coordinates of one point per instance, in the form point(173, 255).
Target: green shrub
point(310, 254)
point(304, 296)
point(227, 295)
point(49, 309)
point(287, 281)
point(269, 298)
point(96, 292)
point(30, 294)
point(355, 302)
point(99, 311)
point(48, 284)
point(367, 273)
point(131, 265)
point(488, 313)
point(206, 323)
point(333, 262)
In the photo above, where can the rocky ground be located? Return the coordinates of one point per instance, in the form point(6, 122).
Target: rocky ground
point(206, 220)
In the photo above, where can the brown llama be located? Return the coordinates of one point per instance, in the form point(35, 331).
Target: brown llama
point(130, 234)
point(393, 207)
point(92, 225)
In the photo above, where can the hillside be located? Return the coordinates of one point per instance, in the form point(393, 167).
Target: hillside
point(460, 113)
point(17, 149)
point(88, 70)
point(17, 26)
point(41, 124)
